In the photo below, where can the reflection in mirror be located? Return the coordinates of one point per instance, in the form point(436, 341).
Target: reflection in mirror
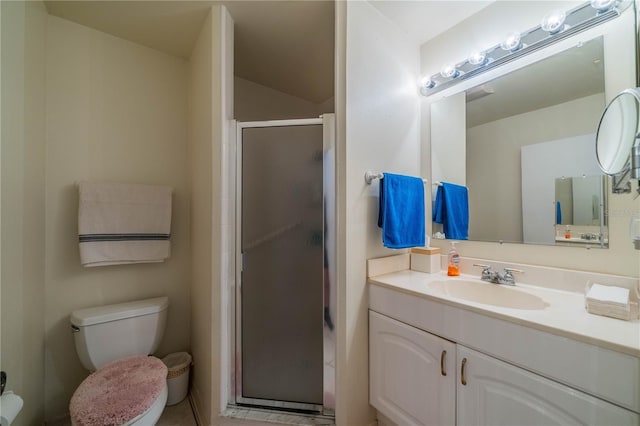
point(578, 200)
point(579, 203)
point(523, 130)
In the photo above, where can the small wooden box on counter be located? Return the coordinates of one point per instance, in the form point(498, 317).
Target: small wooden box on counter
point(425, 259)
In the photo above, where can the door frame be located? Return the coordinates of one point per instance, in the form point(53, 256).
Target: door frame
point(327, 121)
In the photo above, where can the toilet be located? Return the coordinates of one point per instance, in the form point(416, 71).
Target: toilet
point(126, 386)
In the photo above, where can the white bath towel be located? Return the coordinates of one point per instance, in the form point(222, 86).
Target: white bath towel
point(123, 223)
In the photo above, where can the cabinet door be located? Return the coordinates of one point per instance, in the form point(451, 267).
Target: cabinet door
point(497, 393)
point(411, 372)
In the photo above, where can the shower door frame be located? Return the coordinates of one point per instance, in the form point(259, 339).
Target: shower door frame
point(327, 121)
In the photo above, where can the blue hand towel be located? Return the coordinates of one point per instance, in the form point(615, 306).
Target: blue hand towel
point(401, 214)
point(451, 209)
point(558, 213)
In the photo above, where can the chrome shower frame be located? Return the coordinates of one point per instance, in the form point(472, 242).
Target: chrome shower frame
point(329, 336)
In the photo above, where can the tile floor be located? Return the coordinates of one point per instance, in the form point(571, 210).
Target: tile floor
point(242, 416)
point(175, 415)
point(182, 415)
point(178, 415)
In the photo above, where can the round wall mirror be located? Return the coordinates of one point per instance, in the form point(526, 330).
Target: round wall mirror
point(617, 132)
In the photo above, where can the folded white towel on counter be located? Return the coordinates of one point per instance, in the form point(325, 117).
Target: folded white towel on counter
point(609, 294)
point(123, 223)
point(610, 301)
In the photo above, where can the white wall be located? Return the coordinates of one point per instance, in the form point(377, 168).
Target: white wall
point(493, 152)
point(378, 130)
point(23, 211)
point(486, 28)
point(255, 102)
point(116, 111)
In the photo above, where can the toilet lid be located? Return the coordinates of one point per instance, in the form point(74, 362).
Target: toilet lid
point(118, 391)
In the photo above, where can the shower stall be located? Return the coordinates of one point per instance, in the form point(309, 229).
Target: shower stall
point(285, 300)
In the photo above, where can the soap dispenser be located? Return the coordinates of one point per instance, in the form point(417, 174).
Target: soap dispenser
point(453, 270)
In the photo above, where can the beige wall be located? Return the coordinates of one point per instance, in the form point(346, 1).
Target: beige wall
point(200, 151)
point(380, 132)
point(116, 111)
point(486, 29)
point(493, 151)
point(210, 112)
point(255, 102)
point(23, 211)
point(227, 273)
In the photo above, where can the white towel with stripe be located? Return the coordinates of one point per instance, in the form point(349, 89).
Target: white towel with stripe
point(123, 223)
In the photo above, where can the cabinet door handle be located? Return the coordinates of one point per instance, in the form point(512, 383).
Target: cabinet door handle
point(463, 379)
point(443, 367)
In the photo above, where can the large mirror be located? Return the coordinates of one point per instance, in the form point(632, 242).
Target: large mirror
point(528, 142)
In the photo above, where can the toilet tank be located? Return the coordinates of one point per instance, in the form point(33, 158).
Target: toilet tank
point(106, 333)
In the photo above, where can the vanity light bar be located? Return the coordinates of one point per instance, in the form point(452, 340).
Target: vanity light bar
point(577, 20)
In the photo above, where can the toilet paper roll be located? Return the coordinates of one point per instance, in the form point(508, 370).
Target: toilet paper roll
point(10, 406)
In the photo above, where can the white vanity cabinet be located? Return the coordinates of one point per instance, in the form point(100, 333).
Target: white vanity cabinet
point(414, 382)
point(412, 376)
point(499, 394)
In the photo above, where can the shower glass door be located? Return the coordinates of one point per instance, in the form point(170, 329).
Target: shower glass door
point(281, 298)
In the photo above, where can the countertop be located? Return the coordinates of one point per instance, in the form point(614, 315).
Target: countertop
point(564, 315)
point(578, 240)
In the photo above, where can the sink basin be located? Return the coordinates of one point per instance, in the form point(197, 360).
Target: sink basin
point(488, 294)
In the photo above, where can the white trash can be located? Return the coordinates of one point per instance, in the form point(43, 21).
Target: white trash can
point(178, 364)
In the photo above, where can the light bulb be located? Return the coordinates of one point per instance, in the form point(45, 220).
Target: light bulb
point(478, 58)
point(553, 22)
point(511, 42)
point(602, 5)
point(449, 71)
point(426, 82)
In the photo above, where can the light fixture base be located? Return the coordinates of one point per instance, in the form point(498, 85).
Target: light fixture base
point(577, 20)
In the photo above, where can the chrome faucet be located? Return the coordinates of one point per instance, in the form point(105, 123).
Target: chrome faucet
point(495, 277)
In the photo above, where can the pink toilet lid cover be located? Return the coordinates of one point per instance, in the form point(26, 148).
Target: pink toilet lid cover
point(119, 391)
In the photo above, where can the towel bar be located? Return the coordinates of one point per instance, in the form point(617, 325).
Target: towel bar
point(369, 176)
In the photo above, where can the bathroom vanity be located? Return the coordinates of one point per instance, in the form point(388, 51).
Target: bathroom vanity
point(456, 350)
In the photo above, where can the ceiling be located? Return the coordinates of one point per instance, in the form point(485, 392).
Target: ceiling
point(285, 45)
point(143, 22)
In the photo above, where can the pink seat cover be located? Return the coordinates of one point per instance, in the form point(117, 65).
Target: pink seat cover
point(119, 391)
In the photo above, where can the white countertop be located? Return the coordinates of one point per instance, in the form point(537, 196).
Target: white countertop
point(578, 240)
point(565, 314)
